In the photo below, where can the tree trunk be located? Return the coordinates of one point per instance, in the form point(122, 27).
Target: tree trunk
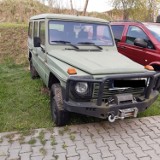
point(85, 7)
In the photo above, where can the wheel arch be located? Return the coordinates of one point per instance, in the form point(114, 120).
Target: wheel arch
point(52, 79)
point(155, 65)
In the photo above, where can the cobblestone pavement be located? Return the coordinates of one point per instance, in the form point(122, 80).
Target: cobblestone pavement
point(128, 139)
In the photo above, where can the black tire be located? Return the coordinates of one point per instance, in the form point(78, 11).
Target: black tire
point(59, 115)
point(34, 73)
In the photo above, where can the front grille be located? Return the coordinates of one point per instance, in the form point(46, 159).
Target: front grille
point(109, 93)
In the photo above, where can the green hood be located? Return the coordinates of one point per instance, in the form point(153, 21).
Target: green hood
point(104, 62)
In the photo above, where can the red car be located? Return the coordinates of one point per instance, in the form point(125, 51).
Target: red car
point(138, 41)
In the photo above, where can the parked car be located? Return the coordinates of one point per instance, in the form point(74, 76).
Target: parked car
point(78, 61)
point(138, 41)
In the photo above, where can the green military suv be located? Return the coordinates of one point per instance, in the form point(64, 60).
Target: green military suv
point(78, 61)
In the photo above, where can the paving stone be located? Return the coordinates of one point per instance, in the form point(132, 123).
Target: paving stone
point(59, 149)
point(5, 142)
point(25, 156)
point(106, 137)
point(155, 130)
point(84, 132)
point(99, 142)
point(13, 154)
point(118, 140)
point(68, 142)
point(112, 145)
point(105, 152)
point(156, 147)
point(153, 155)
point(92, 148)
point(25, 148)
point(36, 151)
point(37, 158)
point(15, 145)
point(145, 158)
point(135, 137)
point(84, 155)
point(110, 158)
point(3, 157)
point(148, 140)
point(78, 137)
point(96, 156)
point(49, 155)
point(125, 149)
point(71, 151)
point(130, 142)
point(48, 145)
point(94, 133)
point(4, 150)
point(146, 122)
point(124, 135)
point(143, 145)
point(112, 132)
point(99, 128)
point(131, 156)
point(139, 153)
point(151, 120)
point(80, 145)
point(47, 135)
point(60, 156)
point(152, 135)
point(73, 158)
point(140, 132)
point(58, 139)
point(118, 154)
point(145, 128)
point(87, 139)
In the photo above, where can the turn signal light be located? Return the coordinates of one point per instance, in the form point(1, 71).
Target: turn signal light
point(149, 67)
point(71, 71)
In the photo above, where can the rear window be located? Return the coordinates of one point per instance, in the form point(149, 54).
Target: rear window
point(117, 31)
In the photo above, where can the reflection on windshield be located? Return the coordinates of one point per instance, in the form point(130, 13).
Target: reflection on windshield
point(155, 30)
point(77, 32)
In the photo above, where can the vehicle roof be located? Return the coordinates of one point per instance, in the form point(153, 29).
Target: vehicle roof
point(67, 17)
point(135, 22)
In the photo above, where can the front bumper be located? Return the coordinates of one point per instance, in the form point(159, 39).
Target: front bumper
point(102, 110)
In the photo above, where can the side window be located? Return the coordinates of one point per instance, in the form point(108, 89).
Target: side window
point(30, 30)
point(35, 32)
point(136, 32)
point(117, 32)
point(42, 32)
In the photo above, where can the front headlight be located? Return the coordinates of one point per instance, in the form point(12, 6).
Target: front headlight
point(81, 88)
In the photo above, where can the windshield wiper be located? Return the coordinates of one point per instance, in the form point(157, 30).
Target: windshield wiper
point(91, 43)
point(66, 42)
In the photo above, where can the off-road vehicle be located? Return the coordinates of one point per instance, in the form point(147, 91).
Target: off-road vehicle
point(78, 61)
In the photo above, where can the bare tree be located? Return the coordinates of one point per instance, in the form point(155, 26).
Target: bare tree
point(85, 7)
point(71, 6)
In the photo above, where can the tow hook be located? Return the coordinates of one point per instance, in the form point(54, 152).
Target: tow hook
point(123, 113)
point(111, 118)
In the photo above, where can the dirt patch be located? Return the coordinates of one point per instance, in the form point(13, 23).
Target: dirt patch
point(13, 42)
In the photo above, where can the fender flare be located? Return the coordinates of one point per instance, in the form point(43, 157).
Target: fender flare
point(156, 65)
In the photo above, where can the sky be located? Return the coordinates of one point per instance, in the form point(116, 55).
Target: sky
point(93, 5)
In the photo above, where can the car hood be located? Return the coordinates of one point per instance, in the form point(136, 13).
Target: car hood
point(103, 62)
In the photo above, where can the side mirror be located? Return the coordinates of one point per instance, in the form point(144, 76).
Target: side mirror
point(140, 42)
point(37, 42)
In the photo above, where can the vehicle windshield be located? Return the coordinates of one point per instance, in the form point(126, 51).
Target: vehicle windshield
point(79, 33)
point(155, 30)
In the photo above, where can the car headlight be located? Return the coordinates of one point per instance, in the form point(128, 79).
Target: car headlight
point(81, 88)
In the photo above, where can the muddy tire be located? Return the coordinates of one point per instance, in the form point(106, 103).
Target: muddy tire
point(59, 115)
point(34, 73)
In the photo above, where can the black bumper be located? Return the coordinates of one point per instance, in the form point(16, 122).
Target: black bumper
point(91, 109)
point(101, 110)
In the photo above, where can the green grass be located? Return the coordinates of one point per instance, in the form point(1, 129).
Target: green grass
point(25, 106)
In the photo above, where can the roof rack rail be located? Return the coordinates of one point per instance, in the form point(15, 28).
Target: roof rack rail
point(126, 21)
